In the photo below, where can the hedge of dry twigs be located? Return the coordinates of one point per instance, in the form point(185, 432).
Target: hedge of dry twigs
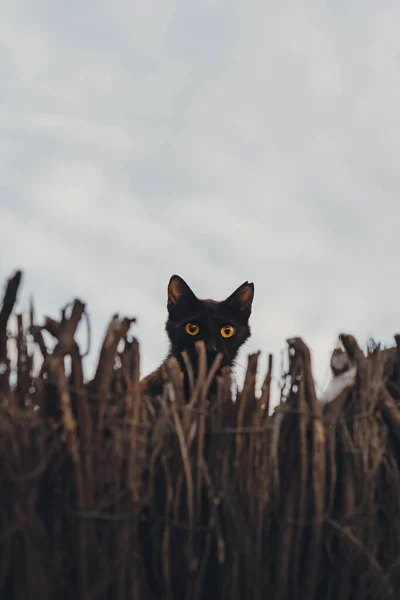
point(106, 493)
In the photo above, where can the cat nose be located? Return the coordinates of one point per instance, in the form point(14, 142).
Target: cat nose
point(211, 346)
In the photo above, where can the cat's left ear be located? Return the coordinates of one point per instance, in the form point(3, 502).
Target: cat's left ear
point(242, 299)
point(179, 293)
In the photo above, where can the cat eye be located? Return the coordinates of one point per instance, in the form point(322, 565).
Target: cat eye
point(192, 329)
point(227, 331)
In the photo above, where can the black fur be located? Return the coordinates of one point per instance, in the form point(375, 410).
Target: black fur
point(184, 307)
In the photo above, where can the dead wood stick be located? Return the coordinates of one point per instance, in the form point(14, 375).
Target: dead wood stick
point(58, 371)
point(202, 426)
point(247, 404)
point(66, 334)
point(246, 446)
point(260, 416)
point(52, 326)
point(352, 348)
point(84, 416)
point(346, 535)
point(318, 465)
point(298, 400)
point(265, 398)
point(247, 395)
point(332, 470)
point(390, 413)
point(175, 376)
point(214, 502)
point(260, 464)
point(201, 373)
point(57, 368)
point(36, 333)
point(10, 297)
point(302, 350)
point(117, 329)
point(362, 364)
point(134, 410)
point(189, 370)
point(211, 374)
point(186, 465)
point(23, 363)
point(277, 420)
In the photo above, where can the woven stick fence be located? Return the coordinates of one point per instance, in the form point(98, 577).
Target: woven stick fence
point(106, 493)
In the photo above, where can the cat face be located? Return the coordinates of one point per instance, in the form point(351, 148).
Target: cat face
point(223, 326)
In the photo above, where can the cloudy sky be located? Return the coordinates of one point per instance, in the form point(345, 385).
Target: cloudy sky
point(220, 140)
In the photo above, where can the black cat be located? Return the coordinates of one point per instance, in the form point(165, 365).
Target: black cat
point(223, 326)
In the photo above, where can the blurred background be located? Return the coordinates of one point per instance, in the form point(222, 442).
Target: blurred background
point(220, 140)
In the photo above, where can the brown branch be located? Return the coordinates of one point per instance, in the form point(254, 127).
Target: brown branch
point(247, 399)
point(201, 373)
point(295, 502)
point(117, 330)
point(36, 333)
point(189, 371)
point(10, 297)
point(352, 348)
point(175, 376)
point(23, 363)
point(202, 425)
point(130, 360)
point(186, 464)
point(265, 398)
point(57, 369)
point(317, 463)
point(390, 413)
point(68, 327)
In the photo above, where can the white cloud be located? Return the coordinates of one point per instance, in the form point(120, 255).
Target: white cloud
point(220, 141)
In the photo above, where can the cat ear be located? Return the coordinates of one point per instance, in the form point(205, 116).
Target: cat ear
point(242, 298)
point(179, 293)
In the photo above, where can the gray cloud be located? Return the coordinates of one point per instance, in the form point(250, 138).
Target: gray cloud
point(223, 142)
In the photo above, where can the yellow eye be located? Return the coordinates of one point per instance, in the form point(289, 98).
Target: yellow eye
point(192, 329)
point(227, 331)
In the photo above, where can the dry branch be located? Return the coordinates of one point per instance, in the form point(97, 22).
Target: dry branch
point(10, 297)
point(108, 491)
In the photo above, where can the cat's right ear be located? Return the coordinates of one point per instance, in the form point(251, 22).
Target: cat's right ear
point(242, 299)
point(179, 293)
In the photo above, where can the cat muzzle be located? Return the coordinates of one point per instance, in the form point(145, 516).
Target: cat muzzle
point(211, 347)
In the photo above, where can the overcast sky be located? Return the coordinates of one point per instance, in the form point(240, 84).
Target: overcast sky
point(220, 140)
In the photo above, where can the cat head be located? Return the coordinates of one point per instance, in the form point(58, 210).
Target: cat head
point(223, 326)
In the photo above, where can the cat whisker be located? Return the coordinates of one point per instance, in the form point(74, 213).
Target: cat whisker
point(238, 364)
point(236, 376)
